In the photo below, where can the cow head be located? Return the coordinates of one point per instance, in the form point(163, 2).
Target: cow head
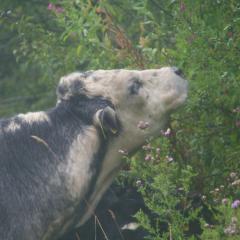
point(136, 96)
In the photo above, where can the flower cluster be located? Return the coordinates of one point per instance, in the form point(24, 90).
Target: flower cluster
point(222, 195)
point(225, 201)
point(166, 133)
point(152, 153)
point(233, 228)
point(55, 8)
point(236, 110)
point(182, 6)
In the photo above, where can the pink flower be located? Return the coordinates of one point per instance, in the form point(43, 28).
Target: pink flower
point(59, 10)
point(224, 201)
point(143, 125)
point(182, 6)
point(167, 133)
point(50, 6)
point(56, 9)
point(148, 157)
point(236, 204)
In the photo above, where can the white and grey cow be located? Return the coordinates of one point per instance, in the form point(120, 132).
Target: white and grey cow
point(56, 165)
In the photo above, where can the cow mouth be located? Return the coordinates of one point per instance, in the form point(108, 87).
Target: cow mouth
point(178, 102)
point(180, 96)
point(176, 96)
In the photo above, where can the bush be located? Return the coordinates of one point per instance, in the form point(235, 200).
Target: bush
point(201, 37)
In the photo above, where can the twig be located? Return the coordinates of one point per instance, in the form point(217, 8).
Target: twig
point(43, 142)
point(116, 223)
point(120, 38)
point(77, 236)
point(170, 231)
point(97, 220)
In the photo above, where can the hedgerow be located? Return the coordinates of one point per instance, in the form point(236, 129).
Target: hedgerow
point(198, 160)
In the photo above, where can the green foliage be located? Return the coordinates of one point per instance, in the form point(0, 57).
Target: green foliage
point(165, 188)
point(39, 43)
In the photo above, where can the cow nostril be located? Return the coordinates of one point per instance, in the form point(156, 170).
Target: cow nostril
point(179, 72)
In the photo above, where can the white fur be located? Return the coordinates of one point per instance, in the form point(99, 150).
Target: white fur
point(77, 170)
point(112, 84)
point(12, 127)
point(32, 117)
point(162, 92)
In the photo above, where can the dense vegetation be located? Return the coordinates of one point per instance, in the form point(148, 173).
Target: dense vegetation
point(193, 168)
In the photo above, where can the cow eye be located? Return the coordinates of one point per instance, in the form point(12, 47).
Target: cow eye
point(133, 89)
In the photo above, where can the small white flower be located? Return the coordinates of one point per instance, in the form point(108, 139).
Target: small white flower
point(123, 152)
point(169, 159)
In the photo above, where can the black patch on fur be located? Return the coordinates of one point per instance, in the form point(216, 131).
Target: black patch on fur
point(77, 84)
point(133, 89)
point(75, 87)
point(62, 90)
point(85, 107)
point(96, 79)
point(26, 166)
point(28, 202)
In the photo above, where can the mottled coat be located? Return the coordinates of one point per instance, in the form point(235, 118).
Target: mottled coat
point(56, 165)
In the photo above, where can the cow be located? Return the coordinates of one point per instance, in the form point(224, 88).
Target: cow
point(55, 165)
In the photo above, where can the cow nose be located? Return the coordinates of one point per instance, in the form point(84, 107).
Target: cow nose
point(178, 71)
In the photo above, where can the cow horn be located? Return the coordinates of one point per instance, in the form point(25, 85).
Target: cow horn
point(107, 120)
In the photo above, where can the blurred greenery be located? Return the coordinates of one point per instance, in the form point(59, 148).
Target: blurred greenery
point(41, 42)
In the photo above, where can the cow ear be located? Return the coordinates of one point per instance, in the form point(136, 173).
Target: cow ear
point(70, 85)
point(107, 120)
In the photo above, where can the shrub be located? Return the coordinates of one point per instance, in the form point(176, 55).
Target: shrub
point(201, 37)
